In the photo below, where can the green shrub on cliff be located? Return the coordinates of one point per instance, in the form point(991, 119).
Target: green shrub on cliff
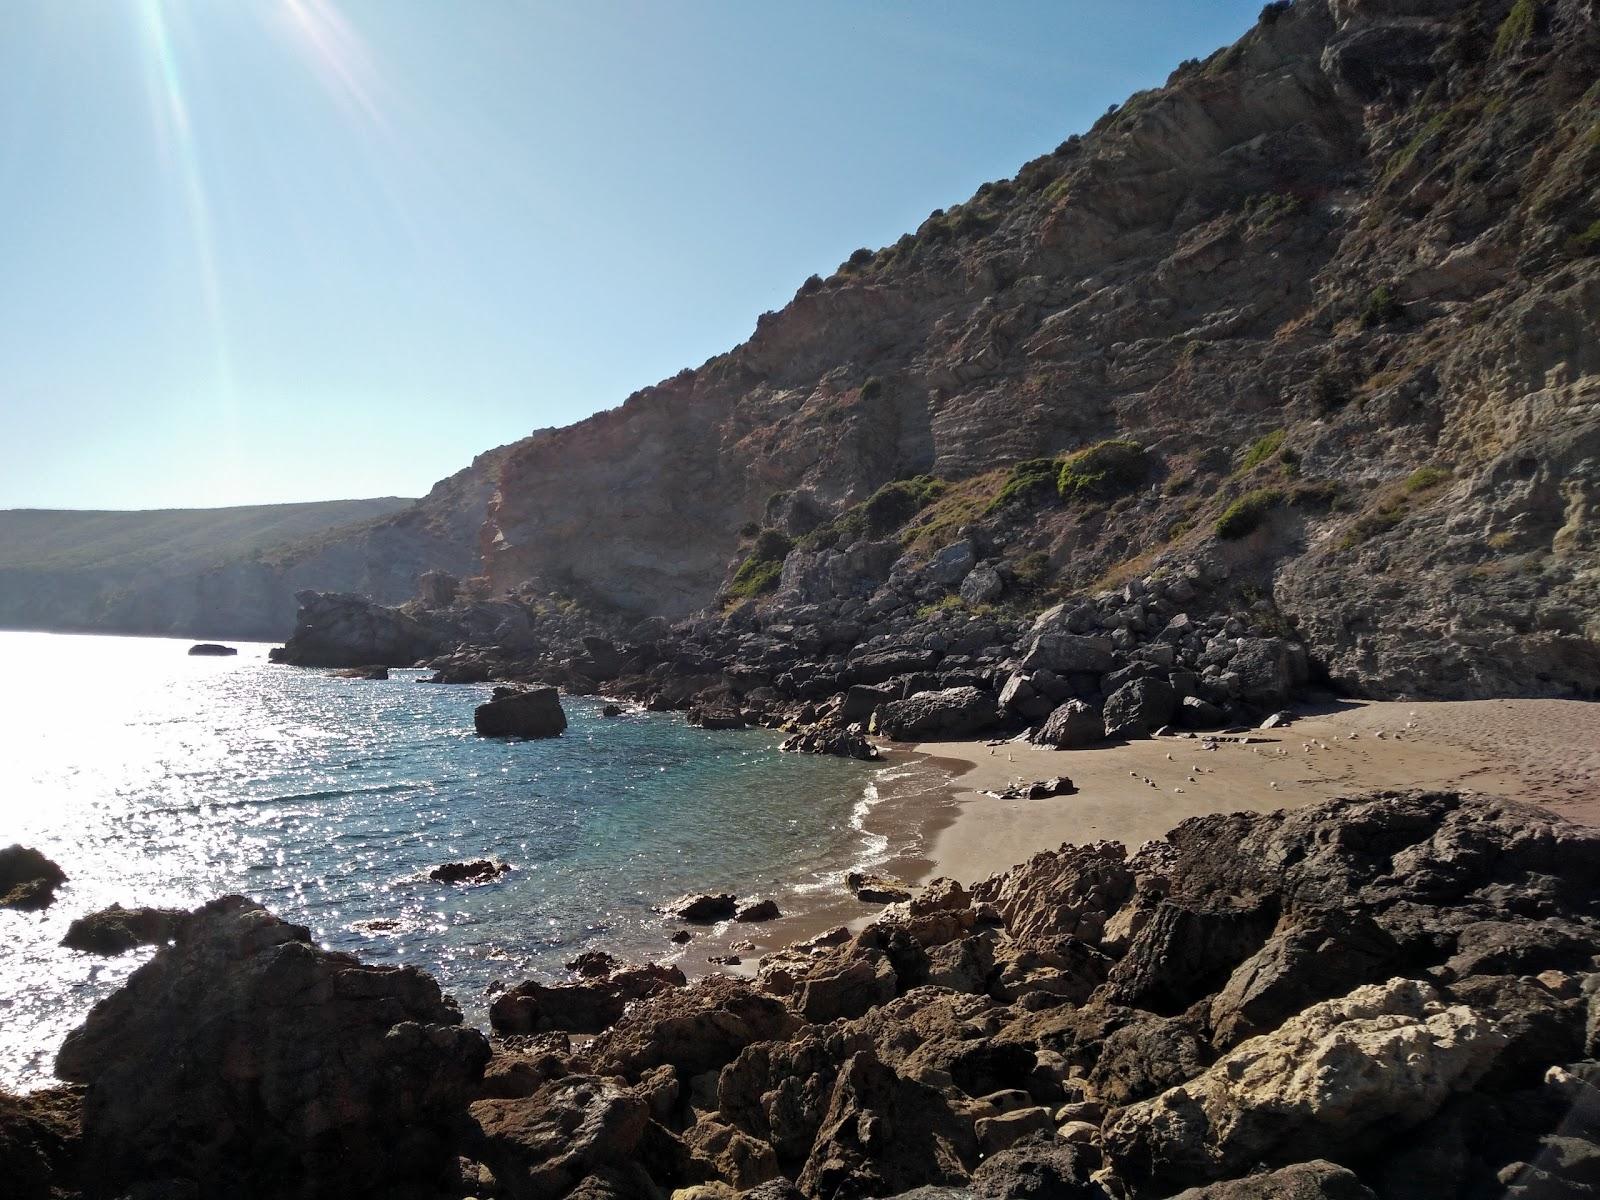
point(1424, 478)
point(759, 572)
point(879, 515)
point(1103, 471)
point(1383, 306)
point(1244, 515)
point(1517, 28)
point(1027, 482)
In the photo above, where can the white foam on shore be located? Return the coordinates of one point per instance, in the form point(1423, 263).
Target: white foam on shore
point(875, 848)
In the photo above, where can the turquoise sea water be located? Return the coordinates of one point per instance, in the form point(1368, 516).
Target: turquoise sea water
point(156, 778)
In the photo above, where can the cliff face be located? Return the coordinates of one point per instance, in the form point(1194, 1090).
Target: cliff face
point(231, 573)
point(1349, 263)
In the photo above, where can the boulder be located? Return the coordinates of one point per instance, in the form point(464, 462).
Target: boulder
point(1383, 1058)
point(1071, 726)
point(521, 713)
point(1196, 713)
point(28, 879)
point(946, 715)
point(1139, 707)
point(876, 889)
point(846, 984)
point(951, 565)
point(830, 739)
point(982, 584)
point(334, 629)
point(758, 910)
point(212, 650)
point(1039, 1168)
point(862, 700)
point(1268, 669)
point(704, 909)
point(116, 929)
point(1069, 653)
point(480, 870)
point(215, 1064)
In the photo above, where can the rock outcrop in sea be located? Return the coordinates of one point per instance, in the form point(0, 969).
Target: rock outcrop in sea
point(1391, 995)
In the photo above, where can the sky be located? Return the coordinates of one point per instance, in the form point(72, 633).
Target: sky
point(283, 250)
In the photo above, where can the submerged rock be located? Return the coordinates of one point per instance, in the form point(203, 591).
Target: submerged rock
point(522, 713)
point(27, 878)
point(704, 909)
point(367, 672)
point(758, 910)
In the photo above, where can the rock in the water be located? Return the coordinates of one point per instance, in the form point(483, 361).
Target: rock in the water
point(212, 650)
point(1071, 726)
point(27, 878)
point(830, 739)
point(217, 1064)
point(479, 870)
point(521, 712)
point(758, 910)
point(370, 671)
point(948, 714)
point(704, 909)
point(116, 929)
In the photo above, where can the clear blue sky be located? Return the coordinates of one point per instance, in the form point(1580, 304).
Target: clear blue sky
point(270, 250)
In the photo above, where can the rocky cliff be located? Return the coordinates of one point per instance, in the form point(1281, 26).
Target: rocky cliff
point(1336, 284)
point(231, 573)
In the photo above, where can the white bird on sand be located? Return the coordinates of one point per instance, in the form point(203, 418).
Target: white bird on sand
point(1378, 734)
point(1178, 790)
point(1169, 758)
point(1272, 784)
point(1191, 779)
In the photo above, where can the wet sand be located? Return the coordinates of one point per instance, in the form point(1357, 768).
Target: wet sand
point(1543, 751)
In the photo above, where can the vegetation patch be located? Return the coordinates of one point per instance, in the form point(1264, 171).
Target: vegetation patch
point(1265, 210)
point(1587, 242)
point(1425, 478)
point(879, 515)
point(1029, 481)
point(1244, 515)
point(1370, 526)
point(759, 573)
point(1263, 448)
point(1103, 471)
point(1382, 307)
point(1517, 28)
point(961, 504)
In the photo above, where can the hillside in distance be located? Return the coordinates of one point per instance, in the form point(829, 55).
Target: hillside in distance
point(230, 572)
point(1337, 283)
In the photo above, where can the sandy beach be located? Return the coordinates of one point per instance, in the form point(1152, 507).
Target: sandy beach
point(1543, 751)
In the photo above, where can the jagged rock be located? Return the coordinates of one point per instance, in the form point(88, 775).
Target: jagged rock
point(1069, 892)
point(1385, 1056)
point(480, 870)
point(1071, 726)
point(1000, 1133)
point(982, 584)
point(1067, 653)
point(1195, 712)
point(212, 650)
point(1039, 1168)
point(1317, 1180)
point(951, 565)
point(741, 1160)
point(590, 1006)
point(367, 672)
point(541, 1146)
point(115, 929)
point(214, 1065)
point(1139, 707)
point(39, 1143)
point(862, 700)
point(716, 718)
point(694, 1030)
point(846, 985)
point(704, 909)
point(28, 879)
point(338, 630)
point(948, 714)
point(885, 1134)
point(522, 713)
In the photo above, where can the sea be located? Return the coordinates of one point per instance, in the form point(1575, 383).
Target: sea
point(157, 778)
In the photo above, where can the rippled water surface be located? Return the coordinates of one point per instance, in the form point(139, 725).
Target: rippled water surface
point(156, 778)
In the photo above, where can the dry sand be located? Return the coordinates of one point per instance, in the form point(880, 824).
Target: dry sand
point(1543, 751)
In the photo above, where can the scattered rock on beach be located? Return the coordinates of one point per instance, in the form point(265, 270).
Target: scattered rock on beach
point(704, 909)
point(480, 870)
point(211, 650)
point(1040, 790)
point(522, 713)
point(877, 889)
point(758, 910)
point(27, 878)
point(115, 929)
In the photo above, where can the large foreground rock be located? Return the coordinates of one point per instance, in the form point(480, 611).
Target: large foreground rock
point(521, 712)
point(244, 1061)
